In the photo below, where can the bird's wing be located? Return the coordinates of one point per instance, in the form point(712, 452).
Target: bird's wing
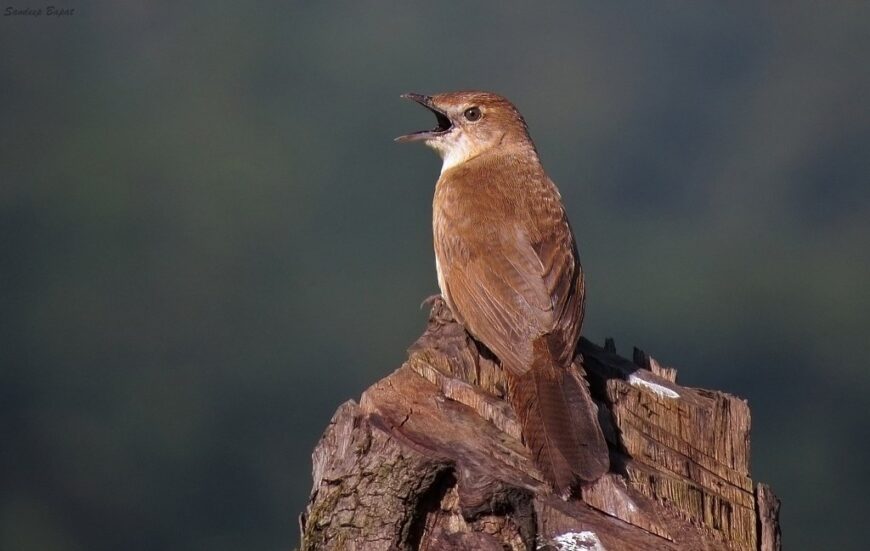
point(563, 278)
point(516, 290)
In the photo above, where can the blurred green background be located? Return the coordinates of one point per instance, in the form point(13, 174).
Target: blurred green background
point(209, 240)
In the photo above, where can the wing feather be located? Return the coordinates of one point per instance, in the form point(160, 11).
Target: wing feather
point(517, 292)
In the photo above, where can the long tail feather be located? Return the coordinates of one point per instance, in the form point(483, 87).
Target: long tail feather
point(560, 425)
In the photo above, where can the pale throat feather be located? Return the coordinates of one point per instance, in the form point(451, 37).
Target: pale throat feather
point(455, 151)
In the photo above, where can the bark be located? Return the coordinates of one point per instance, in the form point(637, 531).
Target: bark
point(431, 458)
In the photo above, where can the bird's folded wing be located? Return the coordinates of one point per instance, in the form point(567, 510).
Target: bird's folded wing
point(516, 292)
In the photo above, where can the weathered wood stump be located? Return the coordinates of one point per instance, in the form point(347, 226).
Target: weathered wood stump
point(431, 458)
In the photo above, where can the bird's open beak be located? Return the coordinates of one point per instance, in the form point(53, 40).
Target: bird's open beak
point(444, 124)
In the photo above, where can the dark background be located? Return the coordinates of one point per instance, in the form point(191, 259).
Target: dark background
point(208, 240)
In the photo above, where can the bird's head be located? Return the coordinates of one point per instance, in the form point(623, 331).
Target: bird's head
point(470, 124)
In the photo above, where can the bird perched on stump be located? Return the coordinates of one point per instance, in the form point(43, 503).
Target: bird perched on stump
point(508, 269)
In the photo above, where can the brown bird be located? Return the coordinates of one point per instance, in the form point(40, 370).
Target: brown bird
point(508, 269)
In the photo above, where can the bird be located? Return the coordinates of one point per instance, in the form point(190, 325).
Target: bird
point(508, 269)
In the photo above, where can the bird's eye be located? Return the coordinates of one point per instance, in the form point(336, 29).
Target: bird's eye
point(472, 114)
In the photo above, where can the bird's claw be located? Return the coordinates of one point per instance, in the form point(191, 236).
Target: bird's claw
point(430, 300)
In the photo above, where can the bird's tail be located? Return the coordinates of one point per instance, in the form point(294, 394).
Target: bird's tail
point(559, 422)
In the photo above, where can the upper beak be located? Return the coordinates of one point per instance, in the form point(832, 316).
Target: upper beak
point(444, 125)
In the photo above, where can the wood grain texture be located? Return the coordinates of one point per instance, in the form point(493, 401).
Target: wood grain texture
point(769, 536)
point(431, 458)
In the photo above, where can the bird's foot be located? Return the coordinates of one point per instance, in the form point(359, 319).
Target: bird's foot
point(440, 312)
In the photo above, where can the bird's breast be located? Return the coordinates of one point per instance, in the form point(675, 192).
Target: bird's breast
point(475, 204)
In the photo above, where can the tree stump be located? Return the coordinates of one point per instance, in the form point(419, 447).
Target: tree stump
point(431, 458)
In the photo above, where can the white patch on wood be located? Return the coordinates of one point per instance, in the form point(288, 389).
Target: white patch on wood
point(657, 389)
point(577, 541)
